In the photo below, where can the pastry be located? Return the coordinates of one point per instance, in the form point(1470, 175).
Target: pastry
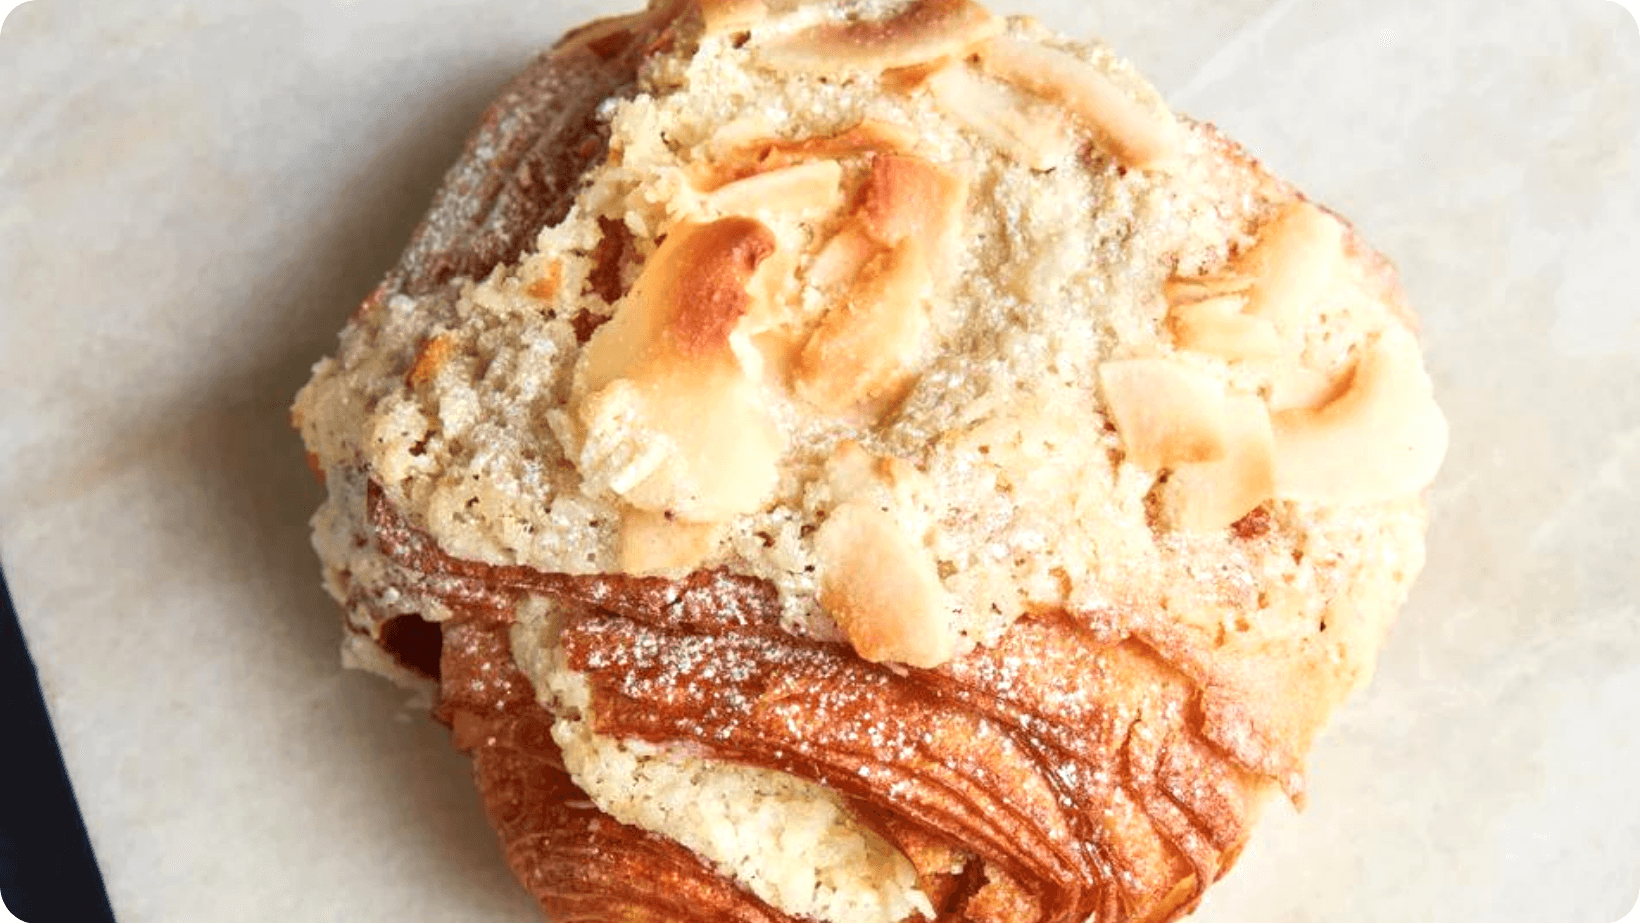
point(870, 460)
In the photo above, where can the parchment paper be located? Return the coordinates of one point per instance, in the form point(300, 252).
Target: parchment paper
point(196, 194)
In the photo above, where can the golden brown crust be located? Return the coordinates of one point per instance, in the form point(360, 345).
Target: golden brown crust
point(580, 864)
point(1075, 757)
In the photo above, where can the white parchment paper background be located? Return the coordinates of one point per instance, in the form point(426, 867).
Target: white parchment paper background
point(193, 195)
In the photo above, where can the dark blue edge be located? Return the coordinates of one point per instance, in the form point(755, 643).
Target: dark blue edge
point(47, 869)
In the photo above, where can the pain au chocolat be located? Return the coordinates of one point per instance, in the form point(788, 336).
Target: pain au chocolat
point(870, 460)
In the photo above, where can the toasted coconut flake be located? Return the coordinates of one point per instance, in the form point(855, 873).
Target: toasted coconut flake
point(1383, 438)
point(909, 197)
point(1128, 130)
point(854, 474)
point(771, 291)
point(672, 420)
point(867, 136)
point(909, 80)
point(882, 588)
point(1210, 496)
point(735, 138)
point(691, 295)
point(1217, 327)
point(1293, 264)
point(816, 186)
point(697, 443)
point(741, 157)
point(925, 31)
point(1294, 385)
point(865, 349)
point(778, 351)
point(1167, 414)
point(1181, 289)
point(840, 262)
point(723, 17)
point(653, 544)
point(1027, 131)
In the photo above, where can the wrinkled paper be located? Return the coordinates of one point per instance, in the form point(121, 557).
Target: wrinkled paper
point(195, 195)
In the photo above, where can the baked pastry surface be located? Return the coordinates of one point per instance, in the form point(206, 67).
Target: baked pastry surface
point(866, 461)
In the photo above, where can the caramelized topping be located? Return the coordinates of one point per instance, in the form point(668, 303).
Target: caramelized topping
point(925, 31)
point(862, 356)
point(672, 419)
point(1034, 134)
point(809, 187)
point(1167, 414)
point(912, 197)
point(1293, 263)
point(882, 588)
point(723, 17)
point(1217, 327)
point(1129, 131)
point(1383, 438)
point(1209, 496)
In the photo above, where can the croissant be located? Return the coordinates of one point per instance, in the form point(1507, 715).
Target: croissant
point(842, 460)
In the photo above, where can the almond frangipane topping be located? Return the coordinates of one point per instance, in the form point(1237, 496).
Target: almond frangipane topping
point(673, 423)
point(1166, 414)
point(667, 413)
point(1205, 497)
point(1382, 438)
point(924, 31)
point(1028, 131)
point(1127, 130)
